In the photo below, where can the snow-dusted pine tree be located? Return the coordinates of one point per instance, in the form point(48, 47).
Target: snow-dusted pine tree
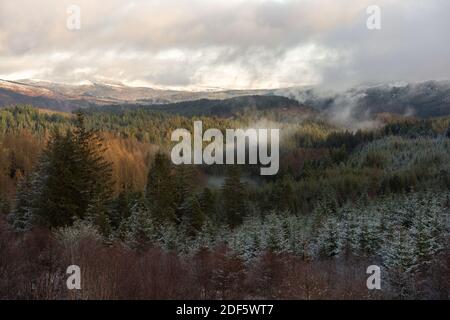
point(400, 262)
point(330, 238)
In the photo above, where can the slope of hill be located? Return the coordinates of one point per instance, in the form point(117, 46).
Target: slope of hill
point(64, 97)
point(424, 100)
point(284, 108)
point(354, 108)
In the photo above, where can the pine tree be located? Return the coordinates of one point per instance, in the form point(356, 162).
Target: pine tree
point(95, 172)
point(400, 261)
point(58, 201)
point(170, 237)
point(429, 232)
point(183, 190)
point(369, 237)
point(160, 191)
point(297, 235)
point(233, 193)
point(248, 240)
point(120, 208)
point(97, 214)
point(194, 216)
point(275, 233)
point(353, 230)
point(283, 194)
point(72, 178)
point(330, 238)
point(139, 228)
point(208, 203)
point(206, 237)
point(21, 216)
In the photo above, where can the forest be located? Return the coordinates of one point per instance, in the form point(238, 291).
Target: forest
point(96, 188)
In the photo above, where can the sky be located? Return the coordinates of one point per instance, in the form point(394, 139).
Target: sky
point(225, 44)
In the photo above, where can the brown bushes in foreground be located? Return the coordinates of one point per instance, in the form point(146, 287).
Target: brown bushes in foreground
point(33, 266)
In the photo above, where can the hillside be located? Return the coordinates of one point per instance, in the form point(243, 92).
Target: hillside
point(354, 108)
point(423, 100)
point(67, 97)
point(280, 107)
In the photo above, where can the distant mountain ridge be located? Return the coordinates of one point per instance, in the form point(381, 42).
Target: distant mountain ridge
point(251, 105)
point(64, 97)
point(423, 99)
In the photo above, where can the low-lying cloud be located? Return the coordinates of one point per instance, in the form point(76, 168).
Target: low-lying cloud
point(225, 44)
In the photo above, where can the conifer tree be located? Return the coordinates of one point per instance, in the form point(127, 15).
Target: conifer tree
point(58, 198)
point(329, 240)
point(170, 237)
point(21, 216)
point(248, 240)
point(97, 214)
point(369, 237)
point(275, 233)
point(283, 194)
point(400, 261)
point(94, 171)
point(194, 215)
point(233, 193)
point(73, 179)
point(160, 191)
point(120, 208)
point(208, 203)
point(139, 228)
point(183, 190)
point(206, 236)
point(429, 232)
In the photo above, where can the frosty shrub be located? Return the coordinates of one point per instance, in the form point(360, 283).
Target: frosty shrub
point(81, 230)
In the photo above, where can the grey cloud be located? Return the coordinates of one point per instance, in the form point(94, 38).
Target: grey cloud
point(248, 43)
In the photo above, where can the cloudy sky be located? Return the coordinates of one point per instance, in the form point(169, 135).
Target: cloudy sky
point(196, 44)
